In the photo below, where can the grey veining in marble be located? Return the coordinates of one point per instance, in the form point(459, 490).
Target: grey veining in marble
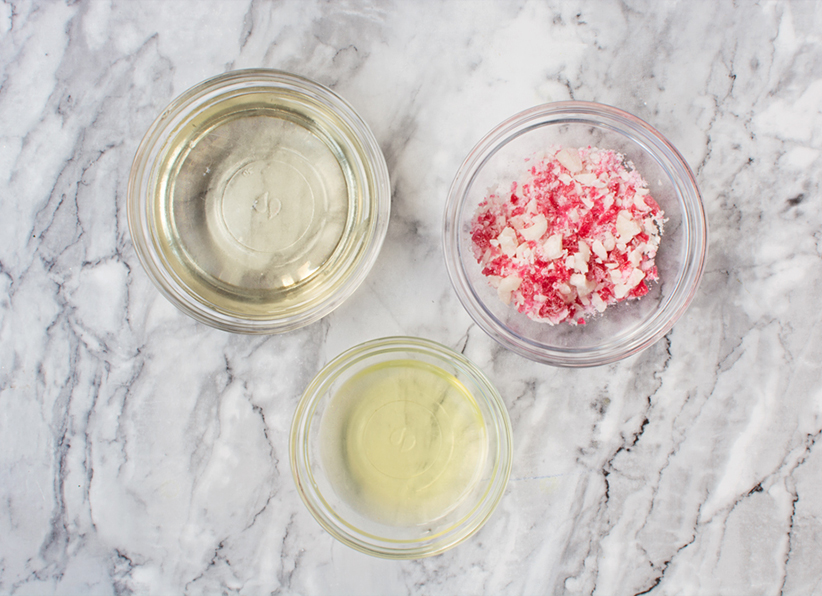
point(143, 452)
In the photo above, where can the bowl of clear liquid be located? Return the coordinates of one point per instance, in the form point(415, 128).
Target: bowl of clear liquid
point(401, 448)
point(258, 201)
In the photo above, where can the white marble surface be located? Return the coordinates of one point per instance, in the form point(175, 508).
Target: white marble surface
point(142, 452)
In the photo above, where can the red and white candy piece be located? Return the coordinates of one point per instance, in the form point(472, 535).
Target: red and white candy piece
point(578, 233)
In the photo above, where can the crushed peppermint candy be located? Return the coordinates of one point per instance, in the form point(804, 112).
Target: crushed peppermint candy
point(580, 232)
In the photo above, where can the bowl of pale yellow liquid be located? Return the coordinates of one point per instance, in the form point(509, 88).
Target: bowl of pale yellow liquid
point(401, 448)
point(258, 201)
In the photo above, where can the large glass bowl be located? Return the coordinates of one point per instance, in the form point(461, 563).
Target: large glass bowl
point(258, 201)
point(401, 448)
point(625, 328)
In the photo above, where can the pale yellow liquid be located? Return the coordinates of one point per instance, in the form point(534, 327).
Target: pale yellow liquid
point(403, 442)
point(254, 202)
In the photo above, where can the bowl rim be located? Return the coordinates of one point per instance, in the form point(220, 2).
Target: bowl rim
point(363, 541)
point(180, 108)
point(695, 229)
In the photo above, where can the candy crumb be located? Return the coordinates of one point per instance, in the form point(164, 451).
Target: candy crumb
point(578, 233)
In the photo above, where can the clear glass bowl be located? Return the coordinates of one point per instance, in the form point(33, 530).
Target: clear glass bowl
point(623, 329)
point(401, 448)
point(258, 201)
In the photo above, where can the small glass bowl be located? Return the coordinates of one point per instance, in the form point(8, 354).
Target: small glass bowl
point(401, 448)
point(623, 329)
point(258, 201)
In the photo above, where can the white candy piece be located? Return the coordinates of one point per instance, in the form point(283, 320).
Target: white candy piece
point(582, 284)
point(570, 159)
point(598, 302)
point(552, 248)
point(586, 179)
point(580, 263)
point(620, 291)
point(584, 250)
point(507, 286)
point(508, 242)
point(626, 227)
point(610, 242)
point(537, 229)
point(608, 201)
point(637, 275)
point(517, 222)
point(524, 252)
point(639, 201)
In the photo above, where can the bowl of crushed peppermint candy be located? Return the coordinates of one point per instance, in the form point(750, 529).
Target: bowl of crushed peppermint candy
point(575, 234)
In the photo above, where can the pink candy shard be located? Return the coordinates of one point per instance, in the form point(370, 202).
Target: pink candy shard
point(578, 233)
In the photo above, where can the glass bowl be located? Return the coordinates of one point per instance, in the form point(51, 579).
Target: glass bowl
point(258, 201)
point(401, 448)
point(622, 329)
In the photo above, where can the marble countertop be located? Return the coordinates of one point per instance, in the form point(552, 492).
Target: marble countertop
point(143, 452)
